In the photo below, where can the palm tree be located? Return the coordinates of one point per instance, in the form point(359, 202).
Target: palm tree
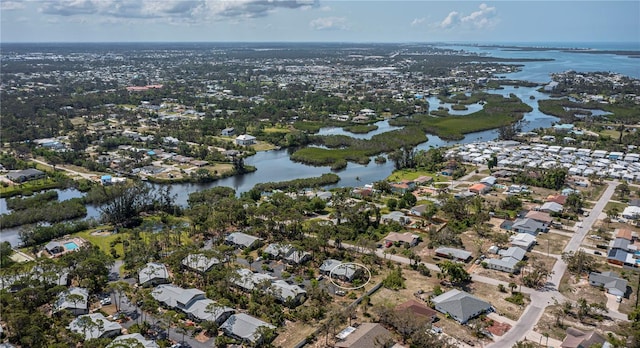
point(512, 286)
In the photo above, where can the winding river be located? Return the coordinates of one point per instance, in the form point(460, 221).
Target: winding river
point(277, 166)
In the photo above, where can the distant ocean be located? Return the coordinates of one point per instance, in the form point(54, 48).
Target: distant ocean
point(601, 46)
point(562, 60)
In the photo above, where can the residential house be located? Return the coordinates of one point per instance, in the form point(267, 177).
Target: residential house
point(297, 257)
point(509, 261)
point(366, 335)
point(417, 310)
point(199, 262)
point(396, 216)
point(400, 188)
point(54, 247)
point(176, 297)
point(245, 140)
point(245, 328)
point(277, 251)
point(527, 225)
point(418, 210)
point(631, 212)
point(489, 181)
point(479, 188)
point(25, 175)
point(242, 240)
point(406, 237)
point(540, 216)
point(336, 268)
point(153, 274)
point(551, 207)
point(460, 305)
point(290, 294)
point(610, 281)
point(207, 310)
point(620, 253)
point(132, 340)
point(227, 132)
point(73, 300)
point(524, 241)
point(95, 325)
point(453, 253)
point(247, 280)
point(624, 234)
point(560, 199)
point(579, 339)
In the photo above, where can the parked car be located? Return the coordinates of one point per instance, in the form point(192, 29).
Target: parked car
point(105, 301)
point(597, 252)
point(340, 293)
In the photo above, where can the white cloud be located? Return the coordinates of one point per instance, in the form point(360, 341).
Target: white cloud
point(485, 17)
point(7, 5)
point(453, 18)
point(198, 10)
point(418, 21)
point(329, 23)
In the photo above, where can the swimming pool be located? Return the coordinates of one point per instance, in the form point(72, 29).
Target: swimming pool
point(70, 246)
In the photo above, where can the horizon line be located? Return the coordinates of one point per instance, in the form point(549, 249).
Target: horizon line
point(284, 41)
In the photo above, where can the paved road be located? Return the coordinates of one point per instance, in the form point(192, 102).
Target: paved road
point(84, 175)
point(541, 299)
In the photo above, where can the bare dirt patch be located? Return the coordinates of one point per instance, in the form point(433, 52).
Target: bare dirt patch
point(552, 243)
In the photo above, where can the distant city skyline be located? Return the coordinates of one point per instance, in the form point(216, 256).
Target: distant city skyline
point(318, 21)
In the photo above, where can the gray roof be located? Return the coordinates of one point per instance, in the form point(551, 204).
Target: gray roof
point(514, 252)
point(460, 305)
point(244, 326)
point(283, 290)
point(206, 309)
point(277, 249)
point(528, 224)
point(132, 340)
point(248, 280)
point(457, 253)
point(153, 271)
point(552, 206)
point(337, 268)
point(242, 239)
point(297, 256)
point(505, 262)
point(200, 262)
point(620, 243)
point(101, 326)
point(610, 281)
point(64, 303)
point(174, 296)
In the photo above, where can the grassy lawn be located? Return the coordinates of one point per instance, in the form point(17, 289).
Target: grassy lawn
point(103, 241)
point(276, 130)
point(29, 186)
point(618, 205)
point(409, 174)
point(220, 167)
point(263, 146)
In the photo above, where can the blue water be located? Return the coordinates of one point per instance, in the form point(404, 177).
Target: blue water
point(562, 61)
point(277, 166)
point(70, 246)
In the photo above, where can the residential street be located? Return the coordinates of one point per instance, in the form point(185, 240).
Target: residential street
point(540, 299)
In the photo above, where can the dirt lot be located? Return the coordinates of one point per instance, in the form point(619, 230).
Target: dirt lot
point(550, 242)
point(491, 294)
point(574, 289)
point(547, 324)
point(293, 333)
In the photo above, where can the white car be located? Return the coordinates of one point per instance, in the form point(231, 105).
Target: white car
point(105, 301)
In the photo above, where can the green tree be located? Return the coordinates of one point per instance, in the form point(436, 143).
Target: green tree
point(394, 280)
point(455, 272)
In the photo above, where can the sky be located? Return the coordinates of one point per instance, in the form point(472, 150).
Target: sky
point(318, 21)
